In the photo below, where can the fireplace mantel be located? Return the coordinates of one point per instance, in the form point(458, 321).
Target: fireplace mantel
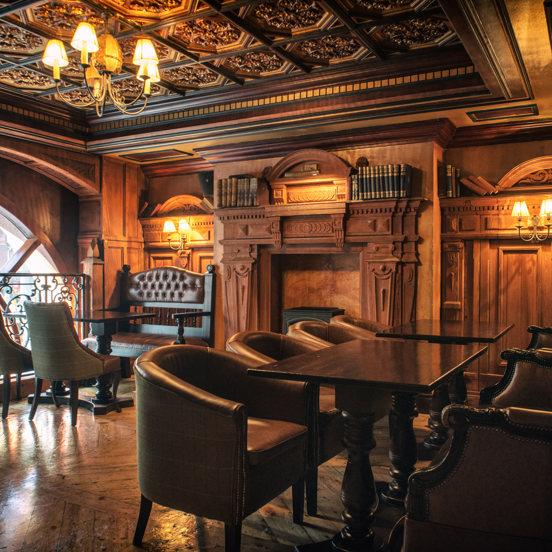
point(383, 233)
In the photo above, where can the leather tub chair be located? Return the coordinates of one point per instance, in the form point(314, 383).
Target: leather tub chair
point(58, 355)
point(527, 381)
point(214, 441)
point(14, 359)
point(326, 435)
point(324, 334)
point(490, 492)
point(354, 322)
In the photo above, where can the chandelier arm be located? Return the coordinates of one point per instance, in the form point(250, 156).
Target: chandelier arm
point(123, 106)
point(68, 102)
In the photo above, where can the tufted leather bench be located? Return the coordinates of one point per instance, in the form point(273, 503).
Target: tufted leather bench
point(182, 304)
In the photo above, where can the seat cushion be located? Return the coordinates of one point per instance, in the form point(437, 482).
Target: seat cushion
point(267, 439)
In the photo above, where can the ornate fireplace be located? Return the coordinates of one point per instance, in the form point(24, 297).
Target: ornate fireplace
point(380, 234)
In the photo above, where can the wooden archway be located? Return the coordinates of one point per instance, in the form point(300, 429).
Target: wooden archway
point(539, 168)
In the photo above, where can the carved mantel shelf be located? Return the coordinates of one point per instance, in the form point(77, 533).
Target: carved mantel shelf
point(382, 232)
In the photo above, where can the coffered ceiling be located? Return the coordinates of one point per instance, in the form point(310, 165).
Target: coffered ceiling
point(232, 71)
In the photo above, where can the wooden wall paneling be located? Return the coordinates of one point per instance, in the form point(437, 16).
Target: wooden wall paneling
point(157, 259)
point(453, 280)
point(200, 259)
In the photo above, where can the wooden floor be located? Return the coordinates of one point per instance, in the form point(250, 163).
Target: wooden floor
point(73, 489)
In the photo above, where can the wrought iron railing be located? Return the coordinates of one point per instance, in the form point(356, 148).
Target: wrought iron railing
point(17, 287)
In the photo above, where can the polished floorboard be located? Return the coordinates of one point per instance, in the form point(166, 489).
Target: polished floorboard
point(75, 489)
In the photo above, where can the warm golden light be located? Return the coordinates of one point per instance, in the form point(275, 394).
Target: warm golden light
point(145, 52)
point(520, 209)
point(183, 226)
point(546, 208)
point(169, 227)
point(106, 60)
point(55, 56)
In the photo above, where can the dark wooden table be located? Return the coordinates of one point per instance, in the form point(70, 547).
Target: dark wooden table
point(103, 324)
point(446, 331)
point(367, 375)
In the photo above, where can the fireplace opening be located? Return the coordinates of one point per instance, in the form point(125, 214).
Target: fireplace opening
point(316, 280)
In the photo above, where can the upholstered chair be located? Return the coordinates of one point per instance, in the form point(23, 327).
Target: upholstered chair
point(362, 323)
point(14, 359)
point(214, 441)
point(324, 334)
point(527, 381)
point(491, 491)
point(326, 436)
point(58, 354)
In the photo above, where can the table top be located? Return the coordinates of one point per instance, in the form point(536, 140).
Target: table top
point(99, 316)
point(447, 331)
point(409, 366)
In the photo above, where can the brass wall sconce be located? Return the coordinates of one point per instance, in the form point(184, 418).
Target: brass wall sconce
point(534, 222)
point(178, 239)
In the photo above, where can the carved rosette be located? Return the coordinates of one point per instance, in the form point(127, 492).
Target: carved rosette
point(288, 14)
point(255, 63)
point(78, 97)
point(384, 5)
point(151, 6)
point(207, 33)
point(194, 75)
point(415, 32)
point(128, 89)
point(330, 47)
point(65, 16)
point(24, 78)
point(18, 41)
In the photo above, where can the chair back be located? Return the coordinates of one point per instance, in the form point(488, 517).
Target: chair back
point(324, 334)
point(267, 347)
point(362, 323)
point(14, 358)
point(477, 493)
point(55, 347)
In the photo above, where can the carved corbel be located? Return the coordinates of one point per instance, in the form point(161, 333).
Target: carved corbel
point(276, 230)
point(338, 229)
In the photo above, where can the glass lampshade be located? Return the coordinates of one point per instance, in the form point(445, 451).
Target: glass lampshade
point(144, 52)
point(520, 209)
point(85, 38)
point(169, 227)
point(55, 54)
point(546, 208)
point(109, 58)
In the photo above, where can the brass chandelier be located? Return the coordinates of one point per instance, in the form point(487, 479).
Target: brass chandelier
point(106, 60)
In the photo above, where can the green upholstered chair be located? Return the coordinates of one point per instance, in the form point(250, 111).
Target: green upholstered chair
point(214, 441)
point(14, 359)
point(58, 354)
point(326, 436)
point(490, 491)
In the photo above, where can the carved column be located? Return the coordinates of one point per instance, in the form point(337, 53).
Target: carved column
point(239, 287)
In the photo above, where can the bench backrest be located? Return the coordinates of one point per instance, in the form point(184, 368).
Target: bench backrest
point(166, 290)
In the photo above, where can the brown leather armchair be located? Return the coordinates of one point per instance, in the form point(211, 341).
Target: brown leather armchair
point(362, 323)
point(58, 355)
point(324, 334)
point(491, 491)
point(214, 441)
point(527, 381)
point(14, 359)
point(326, 433)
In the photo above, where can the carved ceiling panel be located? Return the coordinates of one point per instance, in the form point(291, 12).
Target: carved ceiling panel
point(210, 51)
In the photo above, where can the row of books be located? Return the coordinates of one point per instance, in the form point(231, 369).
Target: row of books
point(382, 181)
point(236, 191)
point(450, 180)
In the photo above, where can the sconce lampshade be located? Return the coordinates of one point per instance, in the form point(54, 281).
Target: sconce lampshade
point(183, 226)
point(169, 227)
point(520, 209)
point(546, 208)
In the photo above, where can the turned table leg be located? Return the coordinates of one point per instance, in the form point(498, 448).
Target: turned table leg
point(403, 451)
point(439, 433)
